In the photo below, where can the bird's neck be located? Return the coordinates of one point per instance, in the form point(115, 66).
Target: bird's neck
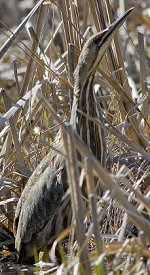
point(81, 95)
point(85, 106)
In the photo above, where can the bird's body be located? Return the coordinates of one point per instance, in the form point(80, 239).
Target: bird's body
point(39, 206)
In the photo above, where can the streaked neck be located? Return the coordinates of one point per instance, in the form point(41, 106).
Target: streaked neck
point(86, 106)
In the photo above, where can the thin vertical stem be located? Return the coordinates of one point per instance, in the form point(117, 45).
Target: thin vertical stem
point(76, 199)
point(92, 203)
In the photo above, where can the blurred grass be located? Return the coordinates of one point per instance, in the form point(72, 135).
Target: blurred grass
point(36, 98)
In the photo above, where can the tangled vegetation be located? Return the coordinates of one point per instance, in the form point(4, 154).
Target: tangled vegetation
point(36, 80)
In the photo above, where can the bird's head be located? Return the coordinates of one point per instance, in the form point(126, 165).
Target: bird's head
point(95, 48)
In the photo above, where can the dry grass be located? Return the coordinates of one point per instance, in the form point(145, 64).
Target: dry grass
point(36, 96)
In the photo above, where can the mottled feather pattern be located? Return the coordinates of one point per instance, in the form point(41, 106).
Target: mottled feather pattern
point(41, 212)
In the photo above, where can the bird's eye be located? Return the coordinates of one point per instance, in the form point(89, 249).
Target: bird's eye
point(97, 39)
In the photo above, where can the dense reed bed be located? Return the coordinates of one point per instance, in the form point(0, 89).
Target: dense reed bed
point(37, 80)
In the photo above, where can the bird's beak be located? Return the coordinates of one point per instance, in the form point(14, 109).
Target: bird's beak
point(111, 31)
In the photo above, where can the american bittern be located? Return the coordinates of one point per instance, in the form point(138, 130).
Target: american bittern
point(37, 211)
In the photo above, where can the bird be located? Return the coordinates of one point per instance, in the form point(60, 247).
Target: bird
point(39, 210)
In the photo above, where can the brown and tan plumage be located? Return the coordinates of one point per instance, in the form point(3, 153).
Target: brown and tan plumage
point(38, 210)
